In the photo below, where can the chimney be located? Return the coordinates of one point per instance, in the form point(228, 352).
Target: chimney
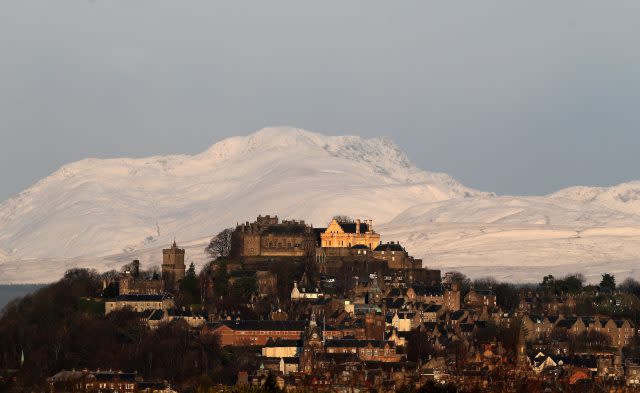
point(358, 226)
point(370, 226)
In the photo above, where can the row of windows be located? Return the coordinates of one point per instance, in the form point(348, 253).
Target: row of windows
point(279, 245)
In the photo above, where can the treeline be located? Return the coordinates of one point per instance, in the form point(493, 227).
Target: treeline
point(63, 326)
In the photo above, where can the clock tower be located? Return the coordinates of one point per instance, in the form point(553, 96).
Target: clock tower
point(313, 344)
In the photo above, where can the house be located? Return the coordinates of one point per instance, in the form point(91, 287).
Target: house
point(282, 348)
point(402, 321)
point(480, 298)
point(101, 381)
point(426, 294)
point(366, 350)
point(303, 294)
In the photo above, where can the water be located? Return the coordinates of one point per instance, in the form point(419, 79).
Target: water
point(9, 292)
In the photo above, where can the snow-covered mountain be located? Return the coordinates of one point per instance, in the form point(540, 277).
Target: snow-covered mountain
point(102, 213)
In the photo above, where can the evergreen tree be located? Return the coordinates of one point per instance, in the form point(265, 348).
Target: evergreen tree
point(189, 286)
point(221, 279)
point(608, 282)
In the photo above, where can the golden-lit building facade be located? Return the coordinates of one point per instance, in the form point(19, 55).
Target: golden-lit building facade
point(349, 234)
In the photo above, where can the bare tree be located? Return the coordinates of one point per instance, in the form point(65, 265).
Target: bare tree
point(343, 218)
point(220, 245)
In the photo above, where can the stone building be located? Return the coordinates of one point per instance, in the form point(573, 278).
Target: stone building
point(348, 234)
point(173, 268)
point(268, 237)
point(396, 256)
point(480, 298)
point(452, 297)
point(94, 381)
point(139, 303)
point(131, 282)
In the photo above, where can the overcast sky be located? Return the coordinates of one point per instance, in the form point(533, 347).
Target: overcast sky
point(506, 96)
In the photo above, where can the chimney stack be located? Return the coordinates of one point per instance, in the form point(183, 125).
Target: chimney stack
point(358, 226)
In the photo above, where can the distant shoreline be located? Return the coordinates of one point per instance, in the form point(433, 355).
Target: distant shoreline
point(8, 292)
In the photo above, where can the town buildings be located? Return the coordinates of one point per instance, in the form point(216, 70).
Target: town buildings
point(356, 313)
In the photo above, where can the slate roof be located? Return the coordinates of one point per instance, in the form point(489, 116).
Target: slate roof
point(350, 227)
point(432, 308)
point(285, 229)
point(359, 247)
point(389, 247)
point(566, 323)
point(278, 343)
point(428, 290)
point(105, 376)
point(394, 303)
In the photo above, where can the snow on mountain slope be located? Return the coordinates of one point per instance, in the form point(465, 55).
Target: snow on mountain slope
point(98, 210)
point(624, 197)
point(521, 238)
point(103, 213)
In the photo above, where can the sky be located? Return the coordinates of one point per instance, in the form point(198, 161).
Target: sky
point(510, 97)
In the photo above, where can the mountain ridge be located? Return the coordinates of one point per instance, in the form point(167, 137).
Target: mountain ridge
point(102, 211)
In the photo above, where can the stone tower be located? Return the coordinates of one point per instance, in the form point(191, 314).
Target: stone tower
point(173, 267)
point(313, 344)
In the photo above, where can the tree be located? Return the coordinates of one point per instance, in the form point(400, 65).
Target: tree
point(590, 341)
point(463, 281)
point(548, 283)
point(608, 282)
point(507, 296)
point(220, 245)
point(343, 218)
point(271, 383)
point(189, 287)
point(221, 279)
point(244, 287)
point(630, 286)
point(572, 284)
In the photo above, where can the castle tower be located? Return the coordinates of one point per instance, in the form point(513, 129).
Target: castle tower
point(173, 267)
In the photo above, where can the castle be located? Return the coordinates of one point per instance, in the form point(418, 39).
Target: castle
point(173, 271)
point(268, 237)
point(343, 244)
